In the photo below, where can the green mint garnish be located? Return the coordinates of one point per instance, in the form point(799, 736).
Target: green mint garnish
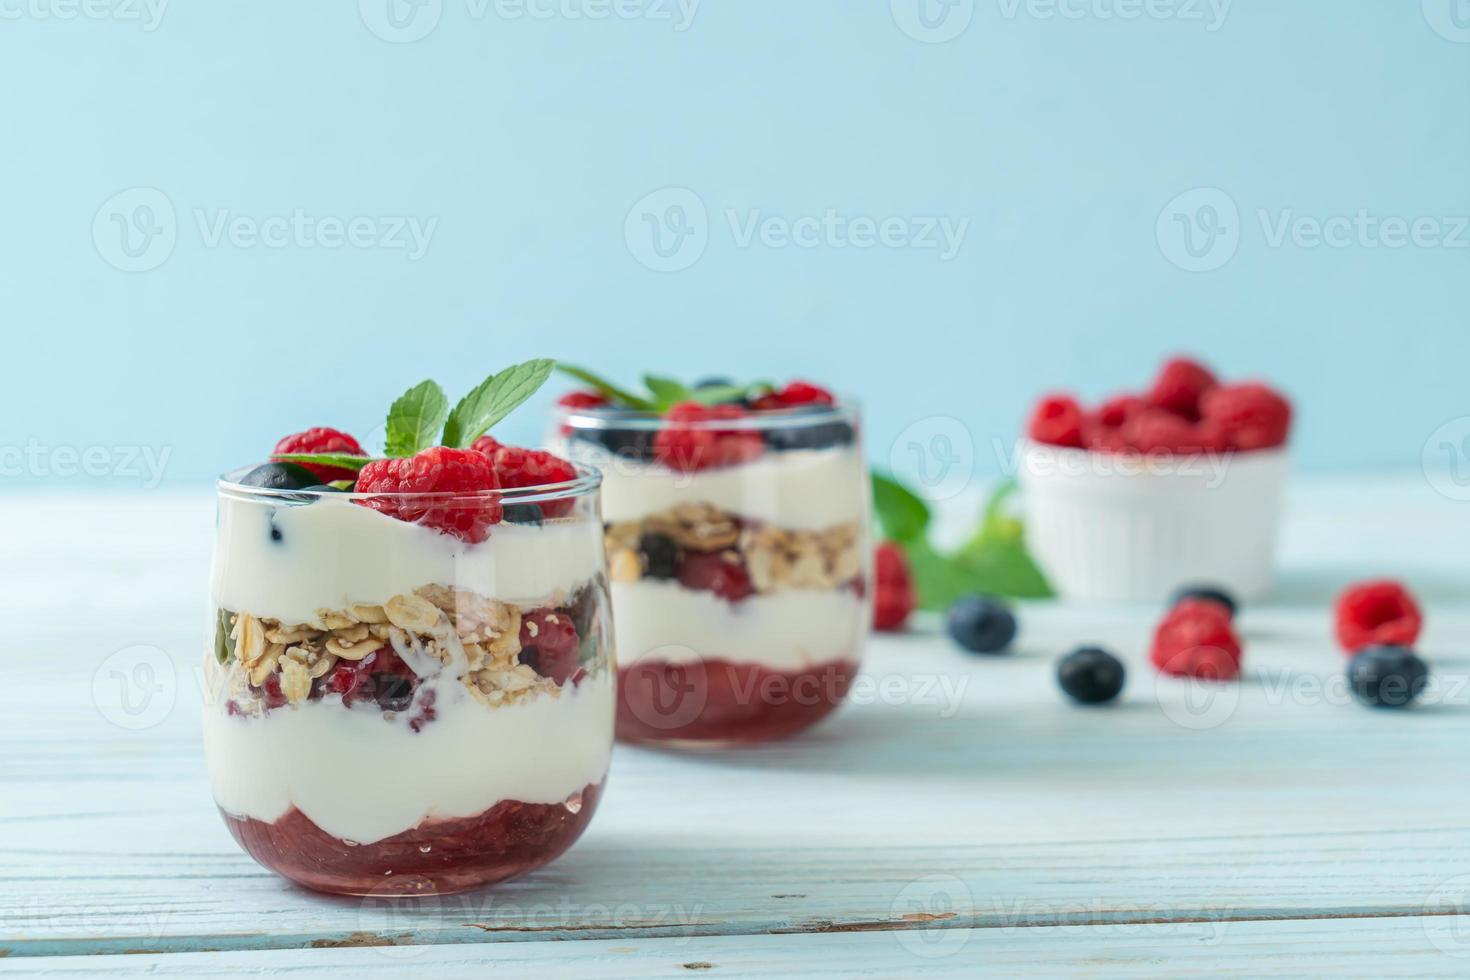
point(666, 391)
point(493, 399)
point(993, 561)
point(342, 484)
point(328, 459)
point(618, 395)
point(415, 419)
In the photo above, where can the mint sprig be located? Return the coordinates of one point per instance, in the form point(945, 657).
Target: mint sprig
point(342, 460)
point(993, 561)
point(415, 418)
point(493, 399)
point(618, 395)
point(663, 392)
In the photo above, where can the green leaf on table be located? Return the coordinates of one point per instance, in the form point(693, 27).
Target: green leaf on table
point(621, 396)
point(902, 515)
point(343, 460)
point(493, 399)
point(415, 419)
point(997, 553)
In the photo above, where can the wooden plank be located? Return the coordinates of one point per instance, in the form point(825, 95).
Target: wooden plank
point(954, 785)
point(1433, 946)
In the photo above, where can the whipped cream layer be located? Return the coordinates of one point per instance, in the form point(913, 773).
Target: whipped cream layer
point(801, 490)
point(286, 561)
point(783, 631)
point(363, 777)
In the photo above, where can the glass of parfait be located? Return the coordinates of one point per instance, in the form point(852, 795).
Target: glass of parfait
point(408, 692)
point(737, 538)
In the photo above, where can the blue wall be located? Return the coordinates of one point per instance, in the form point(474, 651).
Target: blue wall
point(530, 141)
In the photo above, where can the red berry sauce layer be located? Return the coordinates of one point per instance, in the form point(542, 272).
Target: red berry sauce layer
point(715, 701)
point(438, 857)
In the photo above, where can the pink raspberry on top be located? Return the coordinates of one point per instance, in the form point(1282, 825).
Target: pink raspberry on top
point(1180, 386)
point(689, 448)
point(417, 483)
point(517, 467)
point(321, 440)
point(1057, 420)
point(582, 399)
point(795, 394)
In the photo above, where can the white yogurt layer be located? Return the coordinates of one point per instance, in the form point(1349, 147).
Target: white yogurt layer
point(801, 490)
point(363, 778)
point(783, 631)
point(331, 553)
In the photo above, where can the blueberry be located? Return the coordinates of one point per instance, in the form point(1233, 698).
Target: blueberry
point(800, 434)
point(523, 514)
point(981, 624)
point(280, 476)
point(631, 444)
point(1209, 593)
point(1387, 677)
point(660, 555)
point(704, 383)
point(1091, 675)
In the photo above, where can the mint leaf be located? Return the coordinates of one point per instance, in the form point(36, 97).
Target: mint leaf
point(328, 459)
point(619, 395)
point(718, 394)
point(997, 554)
point(902, 515)
point(415, 418)
point(666, 391)
point(493, 399)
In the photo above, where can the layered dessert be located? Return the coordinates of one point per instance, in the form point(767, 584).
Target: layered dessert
point(736, 531)
point(409, 688)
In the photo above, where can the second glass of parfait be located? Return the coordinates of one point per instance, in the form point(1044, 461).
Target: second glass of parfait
point(737, 541)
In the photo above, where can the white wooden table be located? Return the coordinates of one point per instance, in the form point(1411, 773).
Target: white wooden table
point(960, 815)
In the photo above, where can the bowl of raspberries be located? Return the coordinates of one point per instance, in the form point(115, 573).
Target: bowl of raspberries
point(1146, 492)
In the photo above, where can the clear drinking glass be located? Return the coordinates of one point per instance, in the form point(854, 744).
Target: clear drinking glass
point(394, 710)
point(738, 555)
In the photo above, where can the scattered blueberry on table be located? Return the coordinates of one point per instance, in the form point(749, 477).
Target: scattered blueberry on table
point(1208, 593)
point(1387, 677)
point(1091, 675)
point(981, 624)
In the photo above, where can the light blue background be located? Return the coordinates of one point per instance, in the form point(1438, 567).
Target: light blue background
point(530, 140)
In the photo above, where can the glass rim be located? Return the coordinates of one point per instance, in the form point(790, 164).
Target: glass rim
point(587, 481)
point(843, 410)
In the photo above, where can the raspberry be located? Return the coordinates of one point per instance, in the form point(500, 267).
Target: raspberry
point(893, 592)
point(582, 399)
point(1251, 416)
point(321, 440)
point(1196, 640)
point(1057, 421)
point(794, 394)
point(1380, 613)
point(710, 571)
point(1156, 430)
point(517, 467)
point(1180, 386)
point(437, 470)
point(1115, 412)
point(550, 645)
point(688, 448)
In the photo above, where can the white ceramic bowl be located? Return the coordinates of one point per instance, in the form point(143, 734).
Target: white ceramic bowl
point(1121, 527)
